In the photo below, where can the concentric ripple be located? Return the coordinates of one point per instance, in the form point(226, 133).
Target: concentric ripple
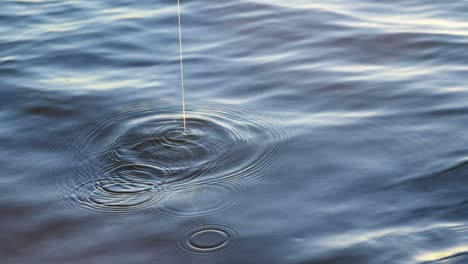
point(141, 158)
point(116, 195)
point(192, 201)
point(207, 239)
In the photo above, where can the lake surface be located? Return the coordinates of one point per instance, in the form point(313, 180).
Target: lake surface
point(318, 132)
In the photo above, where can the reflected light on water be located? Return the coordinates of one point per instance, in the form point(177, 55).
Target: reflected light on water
point(335, 8)
point(126, 13)
point(441, 255)
point(97, 83)
point(332, 118)
point(388, 21)
point(363, 237)
point(29, 1)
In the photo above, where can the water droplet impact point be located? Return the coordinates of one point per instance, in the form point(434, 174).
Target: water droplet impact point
point(211, 239)
point(207, 239)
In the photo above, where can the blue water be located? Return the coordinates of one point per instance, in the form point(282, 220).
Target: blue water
point(318, 132)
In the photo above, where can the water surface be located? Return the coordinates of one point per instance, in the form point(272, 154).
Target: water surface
point(318, 132)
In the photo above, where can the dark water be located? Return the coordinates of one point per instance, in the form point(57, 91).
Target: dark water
point(318, 132)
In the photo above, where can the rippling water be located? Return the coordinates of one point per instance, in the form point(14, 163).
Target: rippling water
point(318, 132)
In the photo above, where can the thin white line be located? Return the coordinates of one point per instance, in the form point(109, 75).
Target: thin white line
point(194, 192)
point(181, 65)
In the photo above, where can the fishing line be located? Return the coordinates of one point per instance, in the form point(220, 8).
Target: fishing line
point(181, 66)
point(194, 191)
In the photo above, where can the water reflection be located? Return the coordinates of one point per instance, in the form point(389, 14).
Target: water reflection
point(319, 132)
